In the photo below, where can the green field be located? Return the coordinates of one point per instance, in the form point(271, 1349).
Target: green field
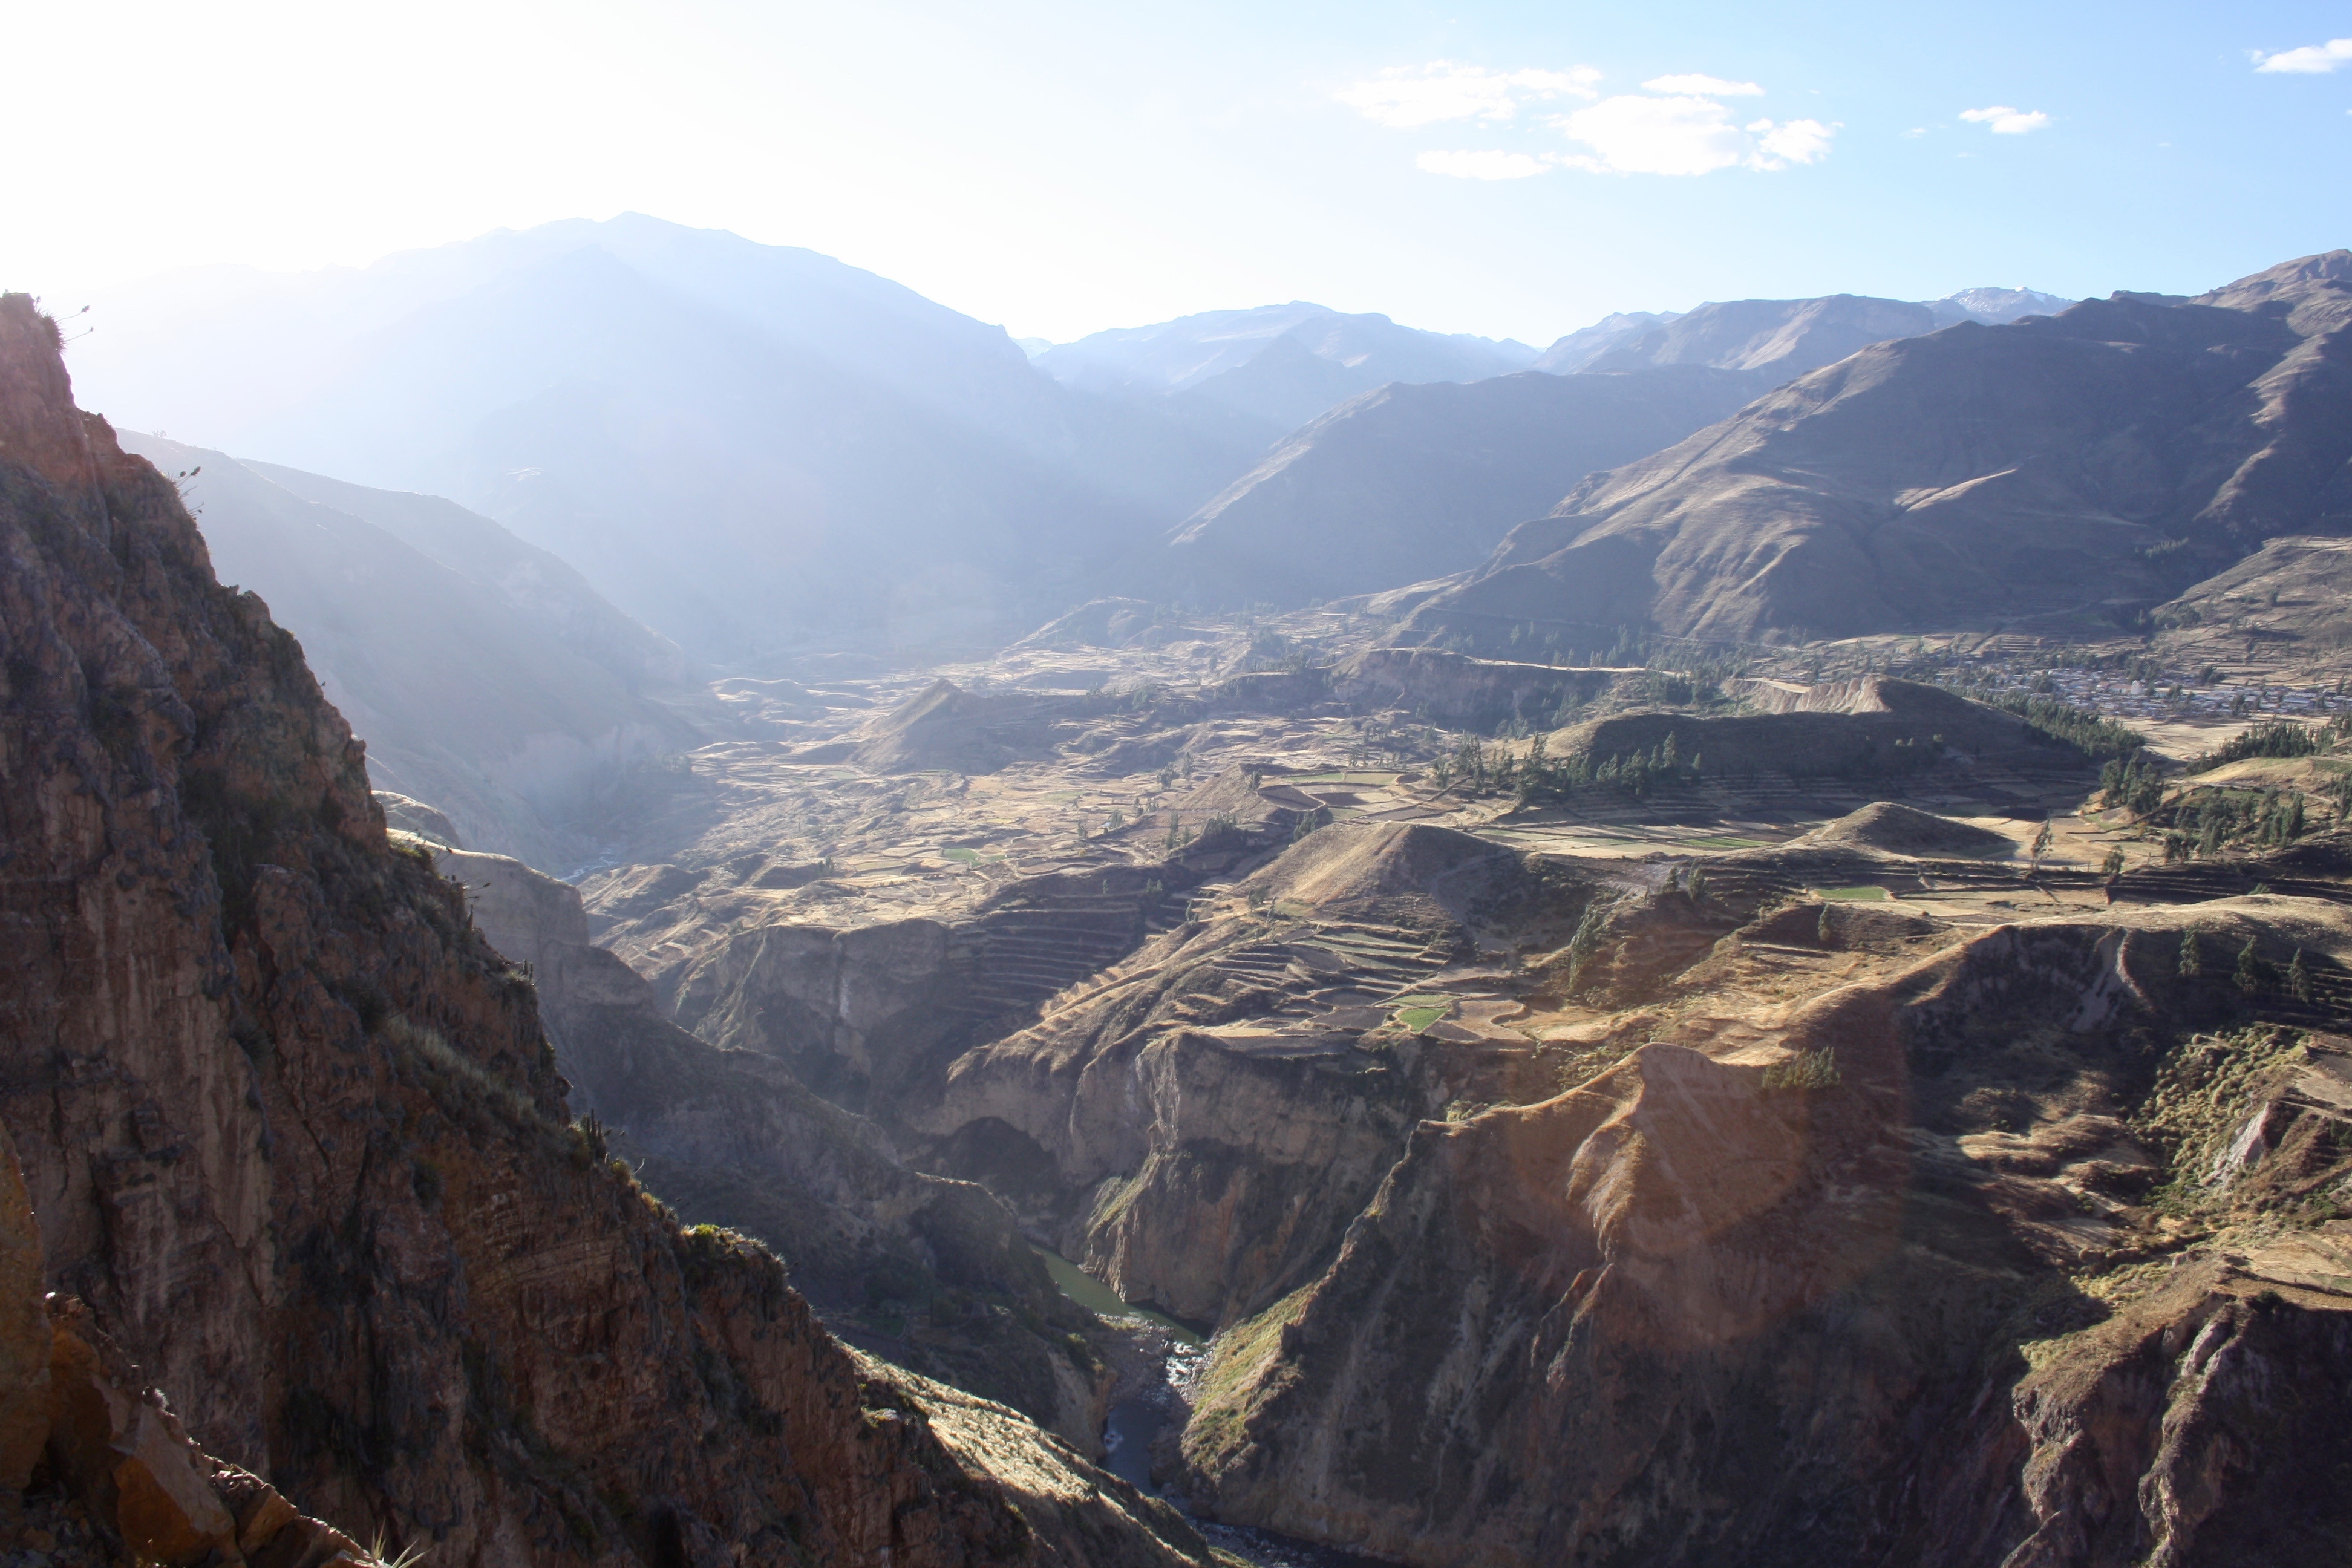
point(1852, 895)
point(968, 856)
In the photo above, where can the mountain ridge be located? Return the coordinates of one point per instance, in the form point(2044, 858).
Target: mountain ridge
point(2088, 464)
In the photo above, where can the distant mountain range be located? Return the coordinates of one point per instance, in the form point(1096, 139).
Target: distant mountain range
point(2077, 470)
point(1800, 334)
point(1416, 482)
point(760, 452)
point(754, 449)
point(1285, 363)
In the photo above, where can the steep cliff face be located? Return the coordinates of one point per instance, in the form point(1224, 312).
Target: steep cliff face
point(1919, 1308)
point(295, 1135)
point(931, 1270)
point(1203, 1122)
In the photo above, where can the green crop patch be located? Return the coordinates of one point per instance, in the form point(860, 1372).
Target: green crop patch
point(1852, 895)
point(1419, 1018)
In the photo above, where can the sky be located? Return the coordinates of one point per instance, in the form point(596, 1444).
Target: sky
point(1504, 169)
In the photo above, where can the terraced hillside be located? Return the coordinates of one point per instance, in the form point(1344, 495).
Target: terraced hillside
point(1468, 1096)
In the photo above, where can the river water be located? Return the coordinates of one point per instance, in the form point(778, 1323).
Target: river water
point(1134, 1425)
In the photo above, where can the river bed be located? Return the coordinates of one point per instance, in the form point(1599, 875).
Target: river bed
point(1134, 1425)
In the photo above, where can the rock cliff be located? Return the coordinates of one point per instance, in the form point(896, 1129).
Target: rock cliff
point(296, 1138)
point(932, 1271)
point(1914, 1307)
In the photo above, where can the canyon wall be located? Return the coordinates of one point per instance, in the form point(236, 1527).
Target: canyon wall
point(295, 1134)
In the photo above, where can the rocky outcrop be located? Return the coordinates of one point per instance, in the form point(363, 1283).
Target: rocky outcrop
point(404, 815)
point(1185, 1147)
point(1709, 1306)
point(297, 1139)
point(109, 1465)
point(2085, 467)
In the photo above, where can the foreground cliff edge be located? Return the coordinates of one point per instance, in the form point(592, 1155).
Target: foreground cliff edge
point(296, 1142)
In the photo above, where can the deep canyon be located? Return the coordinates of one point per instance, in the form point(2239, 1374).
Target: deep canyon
point(1730, 944)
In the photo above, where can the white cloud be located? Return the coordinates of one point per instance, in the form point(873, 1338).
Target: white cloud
point(1405, 96)
point(1682, 134)
point(1484, 165)
point(1704, 86)
point(1798, 142)
point(2005, 121)
point(2312, 59)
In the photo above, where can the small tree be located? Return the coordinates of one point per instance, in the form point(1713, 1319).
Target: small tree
point(2191, 964)
point(2253, 974)
point(2112, 866)
point(2299, 977)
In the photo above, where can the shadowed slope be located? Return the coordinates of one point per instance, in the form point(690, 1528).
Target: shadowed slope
point(461, 678)
point(1413, 482)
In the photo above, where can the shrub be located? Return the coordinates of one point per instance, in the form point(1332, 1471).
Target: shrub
point(1806, 1069)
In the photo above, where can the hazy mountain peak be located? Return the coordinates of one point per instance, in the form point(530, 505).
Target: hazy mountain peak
point(1787, 336)
point(1204, 350)
point(1995, 307)
point(1580, 348)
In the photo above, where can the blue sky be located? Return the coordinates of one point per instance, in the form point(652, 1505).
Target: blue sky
point(1063, 168)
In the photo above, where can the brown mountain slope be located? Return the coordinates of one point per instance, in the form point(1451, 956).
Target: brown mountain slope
point(2092, 463)
point(1411, 482)
point(731, 1137)
point(2295, 589)
point(1872, 1273)
point(294, 1133)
